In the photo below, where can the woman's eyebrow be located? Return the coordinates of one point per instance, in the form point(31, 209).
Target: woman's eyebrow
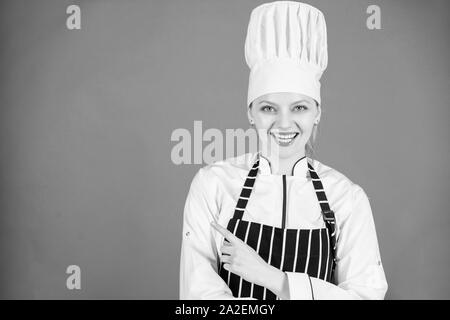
point(265, 101)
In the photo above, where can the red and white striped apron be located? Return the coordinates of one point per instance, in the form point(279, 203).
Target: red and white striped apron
point(310, 251)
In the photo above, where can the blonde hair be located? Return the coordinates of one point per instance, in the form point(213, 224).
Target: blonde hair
point(309, 147)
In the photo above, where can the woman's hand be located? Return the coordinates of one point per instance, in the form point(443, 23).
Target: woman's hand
point(243, 260)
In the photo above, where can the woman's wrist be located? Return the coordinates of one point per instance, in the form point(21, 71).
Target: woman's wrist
point(277, 282)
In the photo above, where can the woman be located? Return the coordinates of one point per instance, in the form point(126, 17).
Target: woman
point(277, 224)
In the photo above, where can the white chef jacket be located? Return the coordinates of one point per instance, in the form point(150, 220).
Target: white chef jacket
point(213, 195)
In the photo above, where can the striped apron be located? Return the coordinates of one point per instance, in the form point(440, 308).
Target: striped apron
point(310, 251)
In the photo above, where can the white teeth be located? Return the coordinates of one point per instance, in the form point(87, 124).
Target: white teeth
point(284, 138)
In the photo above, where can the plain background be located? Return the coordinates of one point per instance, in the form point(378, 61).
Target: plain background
point(87, 116)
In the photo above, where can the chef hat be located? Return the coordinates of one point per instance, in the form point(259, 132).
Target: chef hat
point(286, 49)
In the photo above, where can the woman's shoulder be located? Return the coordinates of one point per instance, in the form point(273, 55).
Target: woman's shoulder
point(223, 171)
point(335, 179)
point(231, 167)
point(342, 192)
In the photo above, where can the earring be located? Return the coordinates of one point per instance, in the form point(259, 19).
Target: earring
point(251, 122)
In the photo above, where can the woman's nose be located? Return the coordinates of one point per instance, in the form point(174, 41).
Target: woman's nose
point(284, 120)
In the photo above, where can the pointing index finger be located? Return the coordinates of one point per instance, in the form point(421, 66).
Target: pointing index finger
point(225, 232)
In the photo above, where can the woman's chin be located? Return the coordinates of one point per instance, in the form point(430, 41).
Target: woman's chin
point(289, 152)
point(282, 151)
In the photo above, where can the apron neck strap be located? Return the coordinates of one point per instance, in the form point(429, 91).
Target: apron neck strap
point(246, 190)
point(327, 214)
point(250, 182)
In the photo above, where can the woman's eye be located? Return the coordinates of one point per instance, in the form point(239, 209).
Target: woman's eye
point(300, 107)
point(268, 109)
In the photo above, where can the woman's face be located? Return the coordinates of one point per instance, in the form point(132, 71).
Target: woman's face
point(286, 119)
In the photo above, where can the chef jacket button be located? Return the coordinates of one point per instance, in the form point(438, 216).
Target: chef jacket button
point(187, 234)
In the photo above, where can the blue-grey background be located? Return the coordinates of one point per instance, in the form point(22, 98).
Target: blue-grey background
point(86, 118)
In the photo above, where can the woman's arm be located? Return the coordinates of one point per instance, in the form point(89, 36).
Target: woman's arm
point(359, 273)
point(198, 263)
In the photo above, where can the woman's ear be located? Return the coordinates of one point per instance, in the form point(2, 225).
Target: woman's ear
point(319, 113)
point(249, 114)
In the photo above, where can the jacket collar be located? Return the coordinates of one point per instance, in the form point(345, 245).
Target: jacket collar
point(300, 168)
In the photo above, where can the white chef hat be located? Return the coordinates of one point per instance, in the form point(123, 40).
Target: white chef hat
point(286, 49)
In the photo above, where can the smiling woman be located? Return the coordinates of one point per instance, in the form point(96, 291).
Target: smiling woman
point(290, 119)
point(278, 224)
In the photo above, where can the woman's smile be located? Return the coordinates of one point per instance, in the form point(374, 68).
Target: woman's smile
point(284, 139)
point(285, 119)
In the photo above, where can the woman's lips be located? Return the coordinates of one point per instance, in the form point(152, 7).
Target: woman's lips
point(284, 138)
